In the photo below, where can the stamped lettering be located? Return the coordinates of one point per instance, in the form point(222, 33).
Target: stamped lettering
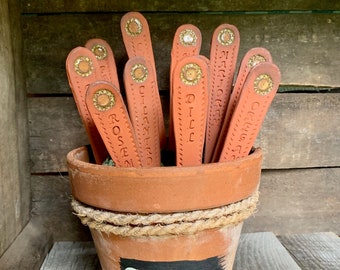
point(113, 124)
point(146, 128)
point(141, 99)
point(223, 56)
point(249, 122)
point(257, 94)
point(190, 98)
point(122, 148)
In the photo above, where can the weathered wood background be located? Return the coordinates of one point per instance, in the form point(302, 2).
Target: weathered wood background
point(14, 172)
point(300, 133)
point(301, 47)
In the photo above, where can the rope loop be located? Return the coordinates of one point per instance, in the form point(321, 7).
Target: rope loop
point(191, 222)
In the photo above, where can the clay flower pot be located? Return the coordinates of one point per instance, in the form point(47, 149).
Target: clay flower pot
point(165, 217)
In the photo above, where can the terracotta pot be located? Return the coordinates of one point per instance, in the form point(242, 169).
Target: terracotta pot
point(166, 191)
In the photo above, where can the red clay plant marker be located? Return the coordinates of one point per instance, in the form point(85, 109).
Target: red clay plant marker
point(253, 57)
point(137, 41)
point(190, 100)
point(223, 56)
point(140, 91)
point(257, 94)
point(187, 42)
point(109, 113)
point(106, 61)
point(187, 216)
point(82, 69)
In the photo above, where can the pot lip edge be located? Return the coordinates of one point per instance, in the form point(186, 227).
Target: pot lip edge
point(76, 163)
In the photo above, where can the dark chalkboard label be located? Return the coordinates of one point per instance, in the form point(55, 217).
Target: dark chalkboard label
point(213, 263)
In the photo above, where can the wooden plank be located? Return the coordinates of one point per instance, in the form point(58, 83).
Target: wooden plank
point(14, 181)
point(45, 64)
point(29, 248)
point(55, 128)
point(305, 46)
point(20, 113)
point(262, 251)
point(299, 131)
point(314, 251)
point(51, 201)
point(36, 6)
point(72, 255)
point(297, 201)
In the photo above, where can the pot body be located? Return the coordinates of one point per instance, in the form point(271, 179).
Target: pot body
point(165, 190)
point(207, 250)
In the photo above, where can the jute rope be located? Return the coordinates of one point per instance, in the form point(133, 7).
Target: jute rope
point(165, 224)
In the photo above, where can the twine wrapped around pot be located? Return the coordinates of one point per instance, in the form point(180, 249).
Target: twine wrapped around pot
point(138, 225)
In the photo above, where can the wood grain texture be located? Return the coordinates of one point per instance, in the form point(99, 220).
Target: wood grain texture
point(55, 128)
point(297, 201)
point(36, 6)
point(20, 110)
point(51, 202)
point(314, 251)
point(304, 46)
point(72, 255)
point(262, 251)
point(299, 131)
point(29, 249)
point(14, 180)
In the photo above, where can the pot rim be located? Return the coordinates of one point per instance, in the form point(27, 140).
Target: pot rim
point(76, 159)
point(163, 189)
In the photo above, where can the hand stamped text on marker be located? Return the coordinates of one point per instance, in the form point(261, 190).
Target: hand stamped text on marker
point(189, 99)
point(249, 125)
point(221, 80)
point(146, 122)
point(123, 149)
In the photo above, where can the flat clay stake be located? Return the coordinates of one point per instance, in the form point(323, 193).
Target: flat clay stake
point(104, 54)
point(257, 94)
point(253, 57)
point(109, 113)
point(139, 83)
point(223, 56)
point(137, 41)
point(187, 42)
point(82, 69)
point(190, 101)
